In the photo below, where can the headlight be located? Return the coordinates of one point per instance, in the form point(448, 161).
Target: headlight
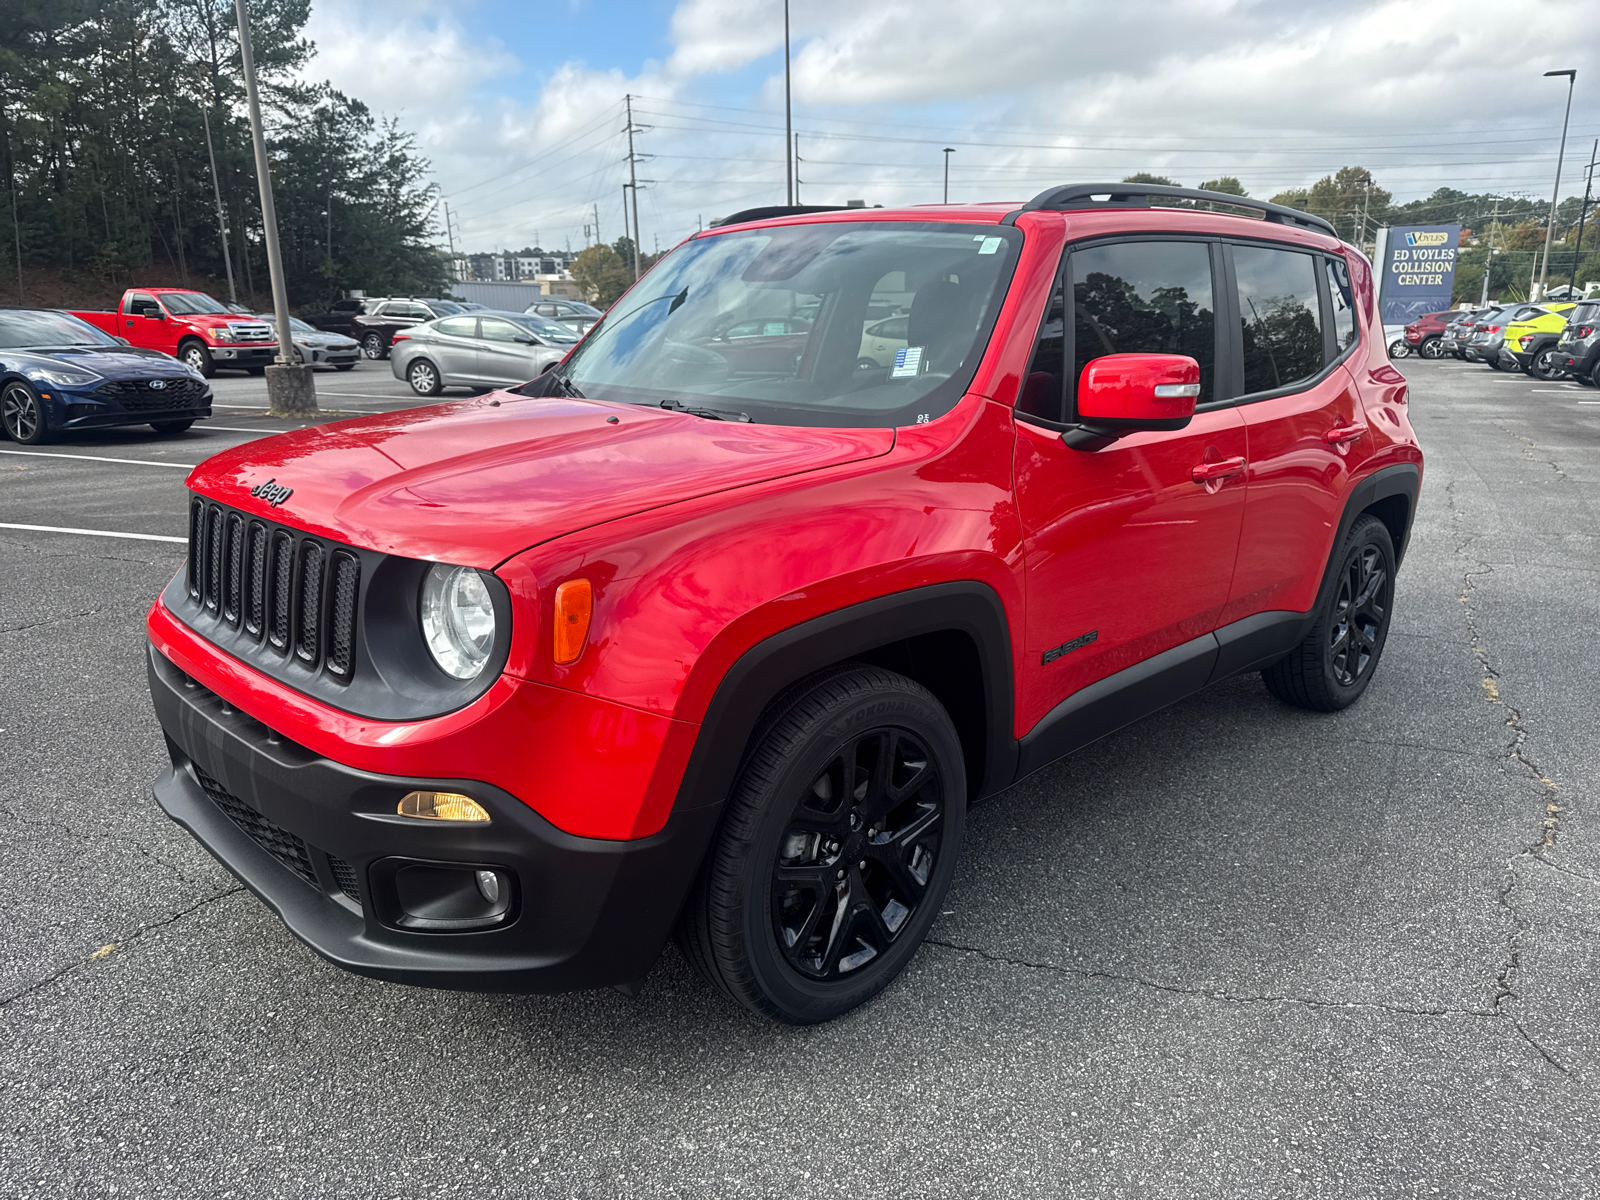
point(61, 376)
point(457, 620)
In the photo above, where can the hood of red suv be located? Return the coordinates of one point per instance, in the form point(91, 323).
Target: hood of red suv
point(475, 482)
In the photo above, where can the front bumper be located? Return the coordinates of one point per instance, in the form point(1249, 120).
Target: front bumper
point(244, 356)
point(321, 844)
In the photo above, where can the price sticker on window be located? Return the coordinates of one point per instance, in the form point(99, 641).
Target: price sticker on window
point(907, 363)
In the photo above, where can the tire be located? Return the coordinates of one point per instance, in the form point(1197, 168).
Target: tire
point(423, 377)
point(170, 428)
point(1542, 366)
point(344, 366)
point(196, 355)
point(807, 906)
point(1399, 348)
point(372, 346)
point(866, 364)
point(22, 414)
point(1332, 667)
point(1431, 349)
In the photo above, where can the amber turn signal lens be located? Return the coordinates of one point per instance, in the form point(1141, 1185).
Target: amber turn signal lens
point(441, 806)
point(574, 607)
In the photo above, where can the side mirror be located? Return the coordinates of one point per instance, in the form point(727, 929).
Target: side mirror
point(527, 341)
point(1121, 394)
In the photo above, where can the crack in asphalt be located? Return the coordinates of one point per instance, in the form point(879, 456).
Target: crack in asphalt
point(107, 949)
point(84, 836)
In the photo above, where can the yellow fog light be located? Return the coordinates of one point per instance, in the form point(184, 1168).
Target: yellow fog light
point(441, 806)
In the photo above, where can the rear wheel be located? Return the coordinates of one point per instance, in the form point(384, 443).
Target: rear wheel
point(1431, 348)
point(1332, 667)
point(423, 377)
point(1545, 365)
point(170, 428)
point(194, 354)
point(22, 414)
point(837, 848)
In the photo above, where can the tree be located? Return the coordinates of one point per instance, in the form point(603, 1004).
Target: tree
point(1144, 177)
point(1227, 184)
point(602, 275)
point(1341, 198)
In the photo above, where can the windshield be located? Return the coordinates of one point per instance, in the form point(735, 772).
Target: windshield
point(782, 324)
point(185, 304)
point(445, 308)
point(20, 328)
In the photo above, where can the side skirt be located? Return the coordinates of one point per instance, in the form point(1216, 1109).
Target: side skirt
point(1147, 687)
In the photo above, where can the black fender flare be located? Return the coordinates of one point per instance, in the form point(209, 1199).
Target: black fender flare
point(1401, 479)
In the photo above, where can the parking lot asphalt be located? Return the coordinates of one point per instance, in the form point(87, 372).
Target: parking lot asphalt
point(1234, 950)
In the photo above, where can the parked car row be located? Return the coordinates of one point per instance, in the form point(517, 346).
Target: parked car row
point(373, 321)
point(1548, 341)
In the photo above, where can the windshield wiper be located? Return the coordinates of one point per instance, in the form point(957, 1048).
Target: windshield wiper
point(711, 414)
point(566, 387)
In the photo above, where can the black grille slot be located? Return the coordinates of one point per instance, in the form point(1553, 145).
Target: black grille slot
point(308, 622)
point(282, 586)
point(233, 590)
point(197, 531)
point(213, 584)
point(270, 836)
point(255, 607)
point(345, 875)
point(342, 625)
point(153, 395)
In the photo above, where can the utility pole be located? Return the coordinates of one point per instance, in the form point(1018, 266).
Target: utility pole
point(788, 115)
point(948, 151)
point(597, 223)
point(797, 168)
point(222, 220)
point(1583, 213)
point(635, 241)
point(633, 182)
point(1488, 262)
point(290, 389)
point(1555, 196)
point(1366, 204)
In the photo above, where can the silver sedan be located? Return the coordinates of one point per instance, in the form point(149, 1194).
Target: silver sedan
point(317, 346)
point(480, 349)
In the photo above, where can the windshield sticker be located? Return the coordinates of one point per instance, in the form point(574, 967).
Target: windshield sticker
point(907, 363)
point(990, 245)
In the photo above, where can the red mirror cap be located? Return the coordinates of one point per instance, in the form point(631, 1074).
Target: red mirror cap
point(1139, 388)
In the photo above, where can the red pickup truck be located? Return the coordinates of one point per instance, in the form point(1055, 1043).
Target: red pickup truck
point(193, 326)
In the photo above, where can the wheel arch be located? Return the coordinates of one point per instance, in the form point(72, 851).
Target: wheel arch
point(953, 638)
point(1390, 494)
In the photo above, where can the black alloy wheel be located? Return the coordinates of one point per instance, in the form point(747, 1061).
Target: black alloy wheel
point(1545, 365)
point(1431, 348)
point(836, 850)
point(372, 346)
point(1334, 664)
point(424, 379)
point(22, 414)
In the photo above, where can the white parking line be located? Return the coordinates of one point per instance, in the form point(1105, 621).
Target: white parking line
point(1574, 388)
point(137, 462)
point(138, 537)
point(236, 429)
point(1589, 401)
point(260, 408)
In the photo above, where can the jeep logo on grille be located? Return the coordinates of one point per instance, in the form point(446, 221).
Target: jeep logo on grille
point(157, 384)
point(272, 492)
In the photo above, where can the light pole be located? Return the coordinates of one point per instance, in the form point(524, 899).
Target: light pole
point(1550, 229)
point(290, 389)
point(788, 116)
point(948, 151)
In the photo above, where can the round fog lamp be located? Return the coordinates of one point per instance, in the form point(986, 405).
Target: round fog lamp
point(457, 620)
point(441, 806)
point(489, 886)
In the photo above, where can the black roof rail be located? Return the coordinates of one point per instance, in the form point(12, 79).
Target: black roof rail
point(1139, 195)
point(778, 210)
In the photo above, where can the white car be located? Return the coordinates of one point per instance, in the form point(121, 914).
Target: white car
point(880, 339)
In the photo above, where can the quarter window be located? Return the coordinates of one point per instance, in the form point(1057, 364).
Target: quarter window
point(1344, 309)
point(1144, 298)
point(1281, 317)
point(458, 326)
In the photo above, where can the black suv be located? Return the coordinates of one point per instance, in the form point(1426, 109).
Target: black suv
point(375, 328)
point(1578, 349)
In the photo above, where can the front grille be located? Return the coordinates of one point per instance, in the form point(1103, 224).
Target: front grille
point(138, 395)
point(345, 875)
point(251, 333)
point(270, 836)
point(277, 585)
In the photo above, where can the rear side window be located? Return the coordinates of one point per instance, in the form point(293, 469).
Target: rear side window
point(1344, 309)
point(1144, 298)
point(459, 326)
point(1281, 316)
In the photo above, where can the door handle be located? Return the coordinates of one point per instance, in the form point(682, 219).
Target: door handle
point(1339, 435)
point(1216, 472)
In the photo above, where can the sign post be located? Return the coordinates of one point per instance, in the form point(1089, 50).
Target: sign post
point(1417, 270)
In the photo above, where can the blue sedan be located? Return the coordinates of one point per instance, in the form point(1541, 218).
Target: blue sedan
point(58, 373)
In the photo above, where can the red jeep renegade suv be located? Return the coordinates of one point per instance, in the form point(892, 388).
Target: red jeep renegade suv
point(838, 522)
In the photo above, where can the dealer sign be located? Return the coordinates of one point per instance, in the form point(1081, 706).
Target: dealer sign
point(1419, 270)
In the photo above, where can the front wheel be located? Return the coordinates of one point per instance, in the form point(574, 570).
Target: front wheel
point(1432, 348)
point(372, 346)
point(1332, 667)
point(196, 356)
point(837, 848)
point(1399, 348)
point(22, 414)
point(424, 378)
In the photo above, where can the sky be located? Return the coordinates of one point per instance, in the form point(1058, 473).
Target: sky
point(520, 107)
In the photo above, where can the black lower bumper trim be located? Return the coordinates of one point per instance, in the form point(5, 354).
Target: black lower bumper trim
point(588, 913)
